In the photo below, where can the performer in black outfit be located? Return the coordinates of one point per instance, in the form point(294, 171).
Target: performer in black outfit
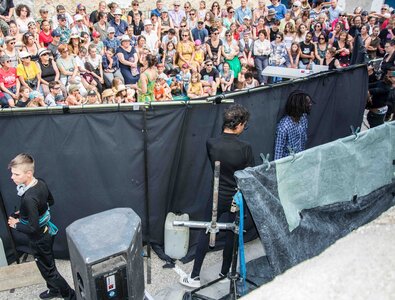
point(234, 155)
point(33, 219)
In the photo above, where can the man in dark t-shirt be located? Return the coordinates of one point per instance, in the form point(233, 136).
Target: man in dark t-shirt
point(307, 50)
point(34, 220)
point(233, 154)
point(210, 78)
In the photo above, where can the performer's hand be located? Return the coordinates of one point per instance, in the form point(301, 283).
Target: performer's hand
point(12, 222)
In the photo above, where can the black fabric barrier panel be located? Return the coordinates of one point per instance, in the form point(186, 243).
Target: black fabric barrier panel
point(319, 227)
point(94, 161)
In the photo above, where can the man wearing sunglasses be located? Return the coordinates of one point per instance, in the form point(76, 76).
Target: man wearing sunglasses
point(210, 78)
point(177, 14)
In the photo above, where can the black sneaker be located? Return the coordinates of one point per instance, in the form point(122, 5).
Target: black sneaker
point(49, 295)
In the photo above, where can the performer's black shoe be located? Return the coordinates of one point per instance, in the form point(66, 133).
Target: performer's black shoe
point(49, 295)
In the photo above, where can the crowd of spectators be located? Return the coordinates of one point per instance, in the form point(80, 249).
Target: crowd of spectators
point(116, 55)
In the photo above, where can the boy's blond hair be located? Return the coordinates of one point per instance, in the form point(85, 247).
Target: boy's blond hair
point(23, 161)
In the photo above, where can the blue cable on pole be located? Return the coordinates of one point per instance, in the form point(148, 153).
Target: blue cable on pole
point(238, 197)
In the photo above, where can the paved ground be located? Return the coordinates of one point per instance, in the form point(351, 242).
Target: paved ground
point(359, 266)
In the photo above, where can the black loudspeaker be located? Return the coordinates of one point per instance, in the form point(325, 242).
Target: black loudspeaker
point(106, 255)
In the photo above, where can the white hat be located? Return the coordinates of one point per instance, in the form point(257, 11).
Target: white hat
point(297, 3)
point(125, 37)
point(42, 51)
point(147, 22)
point(78, 17)
point(118, 11)
point(24, 54)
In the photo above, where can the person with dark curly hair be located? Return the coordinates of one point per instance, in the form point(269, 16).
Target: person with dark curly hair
point(291, 135)
point(23, 17)
point(233, 154)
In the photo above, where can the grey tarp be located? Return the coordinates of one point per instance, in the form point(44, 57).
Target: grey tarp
point(320, 224)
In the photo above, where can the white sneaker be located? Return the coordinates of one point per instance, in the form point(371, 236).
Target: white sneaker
point(224, 279)
point(190, 282)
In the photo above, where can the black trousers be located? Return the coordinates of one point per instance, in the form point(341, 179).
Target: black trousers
point(43, 255)
point(375, 119)
point(203, 243)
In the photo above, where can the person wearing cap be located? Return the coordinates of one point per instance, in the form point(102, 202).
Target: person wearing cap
point(81, 10)
point(128, 61)
point(97, 42)
point(63, 29)
point(74, 97)
point(242, 11)
point(111, 41)
point(36, 99)
point(177, 14)
point(94, 16)
point(28, 72)
point(296, 10)
point(102, 25)
point(60, 14)
point(158, 10)
point(108, 96)
point(92, 98)
point(151, 37)
point(279, 8)
point(118, 24)
point(9, 82)
point(200, 32)
point(79, 26)
point(53, 46)
point(134, 11)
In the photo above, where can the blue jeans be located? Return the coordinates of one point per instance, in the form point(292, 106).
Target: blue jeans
point(261, 62)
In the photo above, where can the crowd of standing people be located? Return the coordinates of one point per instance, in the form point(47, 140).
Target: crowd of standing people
point(117, 55)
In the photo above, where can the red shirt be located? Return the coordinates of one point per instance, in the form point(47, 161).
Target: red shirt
point(46, 39)
point(8, 77)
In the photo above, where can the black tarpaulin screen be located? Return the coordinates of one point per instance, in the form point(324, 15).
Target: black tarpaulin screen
point(94, 161)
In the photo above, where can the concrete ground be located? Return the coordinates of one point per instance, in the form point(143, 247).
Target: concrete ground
point(359, 266)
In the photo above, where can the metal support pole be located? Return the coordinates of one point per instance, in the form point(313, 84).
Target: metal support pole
point(146, 194)
point(213, 229)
